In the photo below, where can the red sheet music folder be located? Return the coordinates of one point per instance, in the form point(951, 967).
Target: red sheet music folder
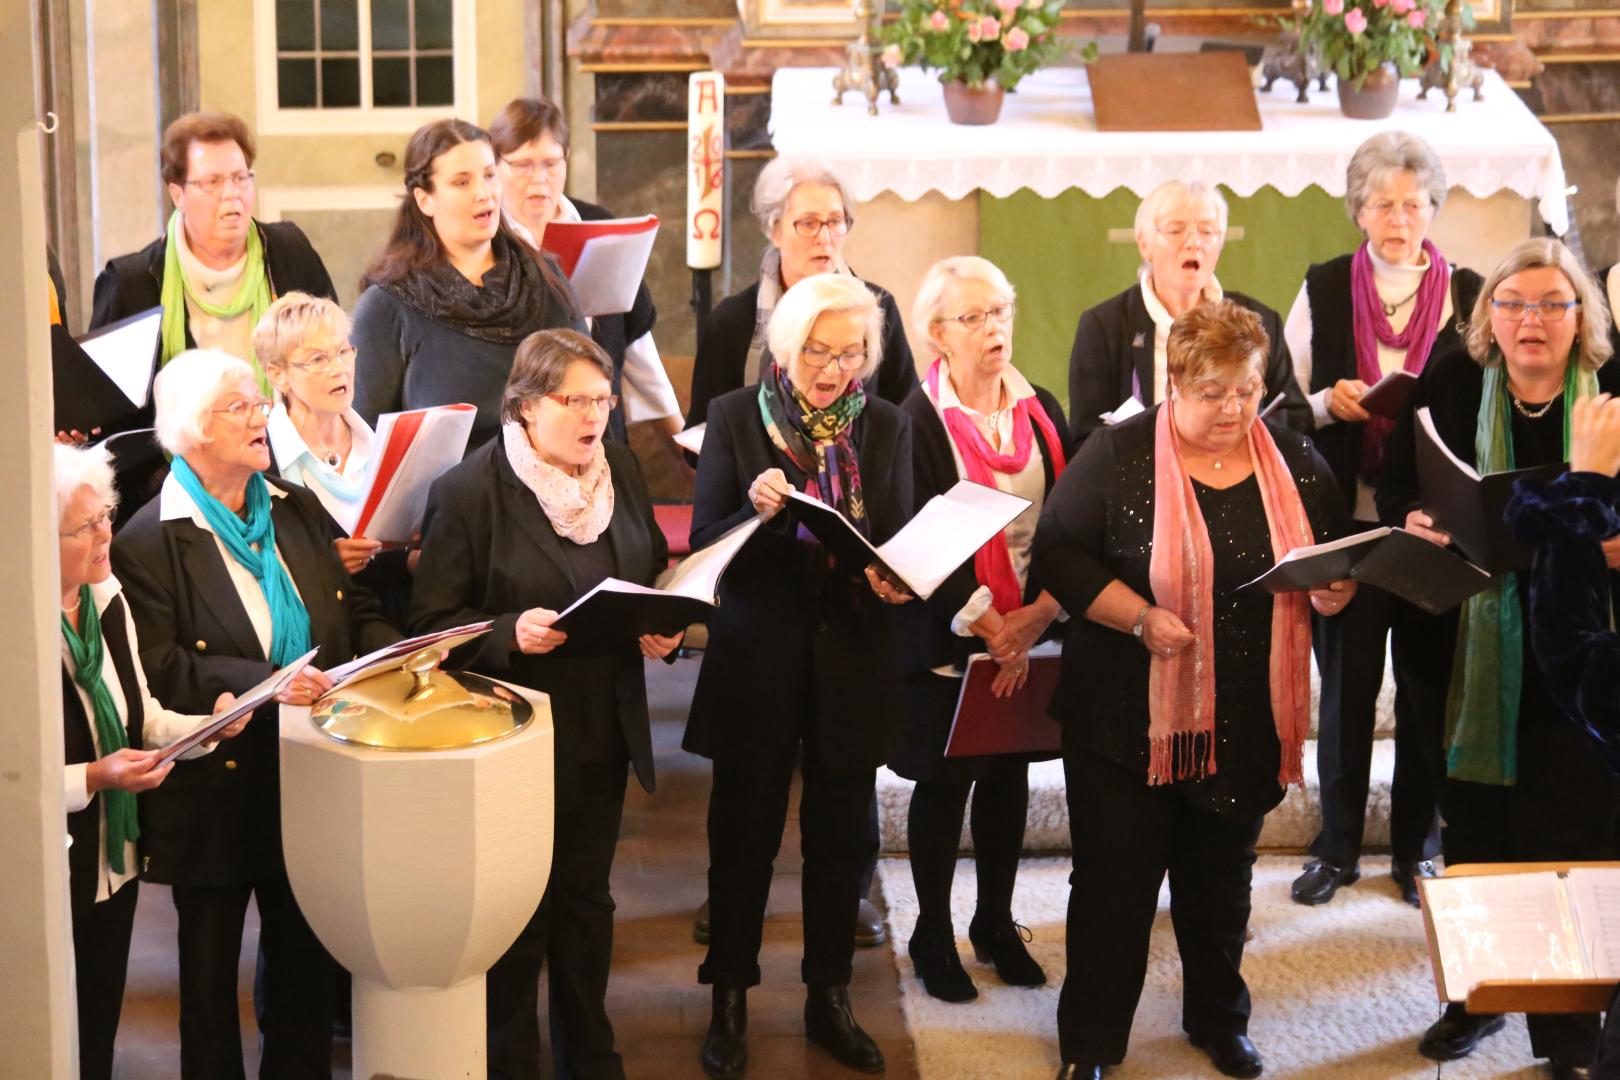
point(986, 724)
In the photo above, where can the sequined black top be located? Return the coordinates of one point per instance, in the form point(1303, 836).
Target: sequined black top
point(1097, 526)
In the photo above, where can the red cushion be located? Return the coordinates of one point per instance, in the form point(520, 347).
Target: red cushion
point(676, 521)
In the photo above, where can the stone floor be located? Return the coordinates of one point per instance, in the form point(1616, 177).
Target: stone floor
point(658, 1009)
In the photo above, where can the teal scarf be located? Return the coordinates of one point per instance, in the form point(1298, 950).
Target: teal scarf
point(253, 544)
point(1487, 671)
point(88, 656)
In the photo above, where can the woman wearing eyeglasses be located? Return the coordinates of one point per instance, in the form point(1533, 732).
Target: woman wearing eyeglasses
point(1521, 784)
point(1184, 701)
point(517, 532)
point(805, 211)
point(231, 576)
point(802, 666)
point(1119, 347)
point(455, 290)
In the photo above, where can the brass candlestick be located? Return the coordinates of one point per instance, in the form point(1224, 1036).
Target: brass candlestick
point(1461, 73)
point(863, 70)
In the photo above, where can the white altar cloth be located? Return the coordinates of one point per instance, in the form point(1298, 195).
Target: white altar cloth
point(1047, 141)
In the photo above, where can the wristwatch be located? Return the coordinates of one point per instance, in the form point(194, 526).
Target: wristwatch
point(1141, 622)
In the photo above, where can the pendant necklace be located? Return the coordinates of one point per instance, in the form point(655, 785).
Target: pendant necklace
point(1391, 309)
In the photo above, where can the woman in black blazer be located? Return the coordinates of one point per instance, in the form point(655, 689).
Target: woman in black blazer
point(829, 684)
point(215, 615)
point(1119, 346)
point(516, 533)
point(1521, 783)
point(973, 418)
point(113, 733)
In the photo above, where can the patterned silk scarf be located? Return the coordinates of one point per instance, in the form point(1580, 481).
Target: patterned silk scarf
point(992, 563)
point(89, 655)
point(817, 440)
point(1487, 669)
point(1372, 329)
point(253, 295)
point(1181, 688)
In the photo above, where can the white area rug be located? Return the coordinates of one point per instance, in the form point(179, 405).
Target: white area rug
point(1341, 992)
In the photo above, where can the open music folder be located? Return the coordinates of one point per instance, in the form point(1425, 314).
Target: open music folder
point(1420, 571)
point(945, 534)
point(246, 703)
point(604, 260)
point(415, 448)
point(103, 379)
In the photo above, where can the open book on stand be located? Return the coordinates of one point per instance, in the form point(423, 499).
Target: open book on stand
point(615, 613)
point(945, 534)
point(390, 657)
point(1420, 571)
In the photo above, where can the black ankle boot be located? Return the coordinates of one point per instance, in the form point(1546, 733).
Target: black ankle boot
point(725, 1047)
point(829, 1024)
point(939, 968)
point(1002, 943)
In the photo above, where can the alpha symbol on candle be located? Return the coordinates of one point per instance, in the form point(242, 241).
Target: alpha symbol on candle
point(707, 100)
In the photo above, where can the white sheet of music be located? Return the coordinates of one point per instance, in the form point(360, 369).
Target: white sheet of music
point(692, 438)
point(1503, 926)
point(946, 533)
point(1594, 896)
point(126, 351)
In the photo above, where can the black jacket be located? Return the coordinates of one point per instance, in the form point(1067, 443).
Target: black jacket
point(216, 820)
point(1333, 353)
point(795, 635)
point(1112, 359)
point(84, 826)
point(490, 552)
point(615, 332)
point(722, 352)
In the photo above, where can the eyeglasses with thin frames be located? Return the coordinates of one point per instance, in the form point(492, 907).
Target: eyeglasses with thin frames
point(1545, 310)
point(975, 320)
point(528, 167)
point(103, 517)
point(818, 356)
point(1219, 399)
point(317, 362)
point(242, 409)
point(1176, 232)
point(585, 404)
point(214, 184)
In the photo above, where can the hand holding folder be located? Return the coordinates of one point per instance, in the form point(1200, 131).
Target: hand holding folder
point(1016, 724)
point(245, 705)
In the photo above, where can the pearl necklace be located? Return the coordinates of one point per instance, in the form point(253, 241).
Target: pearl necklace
point(1538, 413)
point(75, 607)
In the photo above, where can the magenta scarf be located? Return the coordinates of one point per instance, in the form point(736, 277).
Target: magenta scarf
point(1181, 688)
point(992, 563)
point(1372, 329)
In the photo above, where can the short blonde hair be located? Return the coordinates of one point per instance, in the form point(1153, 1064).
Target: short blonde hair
point(75, 467)
point(1592, 346)
point(1175, 193)
point(1215, 338)
point(184, 393)
point(286, 324)
point(814, 297)
point(928, 307)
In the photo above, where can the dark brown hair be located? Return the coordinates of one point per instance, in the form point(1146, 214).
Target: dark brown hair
point(525, 120)
point(205, 127)
point(542, 362)
point(1211, 338)
point(414, 245)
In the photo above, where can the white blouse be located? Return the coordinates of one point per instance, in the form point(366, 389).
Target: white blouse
point(298, 464)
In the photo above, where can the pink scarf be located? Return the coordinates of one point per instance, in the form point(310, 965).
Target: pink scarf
point(992, 563)
point(578, 507)
point(1372, 329)
point(1181, 688)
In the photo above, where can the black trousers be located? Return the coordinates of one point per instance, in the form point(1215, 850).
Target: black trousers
point(934, 834)
point(298, 976)
point(747, 812)
point(100, 963)
point(571, 934)
point(1126, 835)
point(1350, 656)
point(1563, 808)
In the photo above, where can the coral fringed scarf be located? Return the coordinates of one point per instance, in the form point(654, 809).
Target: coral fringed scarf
point(1181, 688)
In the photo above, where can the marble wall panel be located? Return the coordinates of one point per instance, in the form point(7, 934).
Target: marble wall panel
point(1580, 88)
point(644, 172)
point(1590, 160)
point(746, 119)
point(641, 96)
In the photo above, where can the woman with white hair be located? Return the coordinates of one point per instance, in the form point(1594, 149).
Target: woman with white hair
point(1521, 783)
point(1119, 347)
point(805, 211)
point(1389, 306)
point(113, 732)
point(975, 417)
point(829, 688)
point(231, 576)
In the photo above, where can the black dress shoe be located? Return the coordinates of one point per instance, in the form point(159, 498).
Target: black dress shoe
point(1233, 1055)
point(831, 1026)
point(700, 925)
point(1321, 880)
point(725, 1047)
point(869, 929)
point(1071, 1071)
point(939, 968)
point(1456, 1033)
point(1002, 944)
point(1406, 873)
point(1563, 1070)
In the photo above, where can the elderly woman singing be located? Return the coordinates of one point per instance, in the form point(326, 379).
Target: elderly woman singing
point(230, 576)
point(1184, 701)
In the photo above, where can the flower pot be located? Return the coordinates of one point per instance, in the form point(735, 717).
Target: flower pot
point(1376, 98)
point(973, 104)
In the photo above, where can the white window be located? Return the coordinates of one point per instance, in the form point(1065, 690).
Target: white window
point(360, 66)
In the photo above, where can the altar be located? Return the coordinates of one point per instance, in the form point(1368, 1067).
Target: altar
point(1051, 200)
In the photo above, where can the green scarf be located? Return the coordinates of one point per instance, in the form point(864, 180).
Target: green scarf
point(88, 657)
point(253, 295)
point(1487, 671)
